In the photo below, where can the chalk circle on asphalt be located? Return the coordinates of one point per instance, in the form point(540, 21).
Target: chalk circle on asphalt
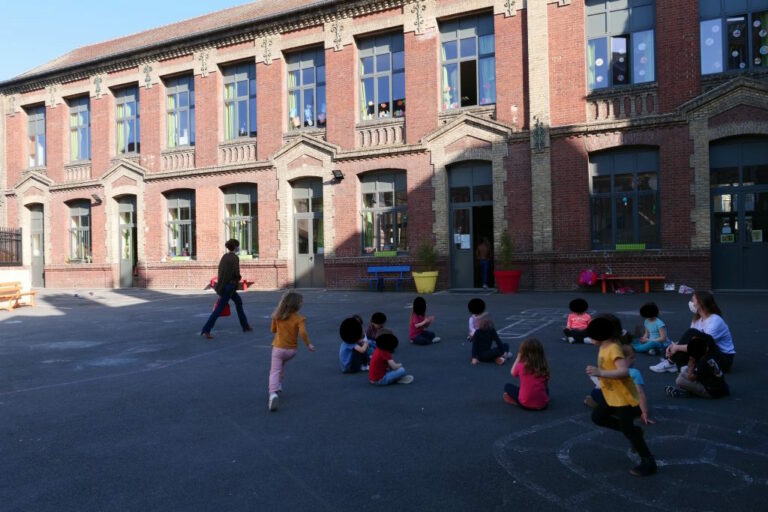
point(707, 461)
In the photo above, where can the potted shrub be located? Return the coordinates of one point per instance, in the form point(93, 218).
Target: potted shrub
point(426, 280)
point(507, 280)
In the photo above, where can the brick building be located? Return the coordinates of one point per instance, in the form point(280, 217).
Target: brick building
point(327, 136)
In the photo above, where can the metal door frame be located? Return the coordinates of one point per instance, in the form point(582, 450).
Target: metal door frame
point(127, 204)
point(318, 264)
point(37, 208)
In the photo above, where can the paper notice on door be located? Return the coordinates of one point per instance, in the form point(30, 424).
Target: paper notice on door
point(466, 242)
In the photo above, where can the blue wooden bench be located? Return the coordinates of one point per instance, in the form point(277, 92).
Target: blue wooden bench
point(396, 273)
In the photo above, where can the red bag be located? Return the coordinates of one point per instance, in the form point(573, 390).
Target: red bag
point(224, 312)
point(587, 277)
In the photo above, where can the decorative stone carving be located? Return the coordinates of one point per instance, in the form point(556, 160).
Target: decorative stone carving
point(178, 159)
point(51, 91)
point(202, 58)
point(419, 9)
point(241, 151)
point(538, 135)
point(266, 45)
point(147, 75)
point(77, 172)
point(380, 134)
point(11, 105)
point(337, 28)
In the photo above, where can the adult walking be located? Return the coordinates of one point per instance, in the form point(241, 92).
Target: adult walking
point(707, 319)
point(226, 288)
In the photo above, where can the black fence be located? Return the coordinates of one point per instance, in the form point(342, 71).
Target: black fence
point(10, 247)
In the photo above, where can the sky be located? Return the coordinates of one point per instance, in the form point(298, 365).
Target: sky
point(32, 32)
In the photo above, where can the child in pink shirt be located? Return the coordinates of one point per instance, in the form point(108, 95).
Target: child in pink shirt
point(532, 369)
point(576, 327)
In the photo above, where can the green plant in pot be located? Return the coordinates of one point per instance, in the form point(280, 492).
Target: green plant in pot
point(427, 258)
point(507, 279)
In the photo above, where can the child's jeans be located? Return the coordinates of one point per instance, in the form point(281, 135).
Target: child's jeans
point(490, 356)
point(280, 356)
point(391, 377)
point(358, 360)
point(644, 347)
point(425, 338)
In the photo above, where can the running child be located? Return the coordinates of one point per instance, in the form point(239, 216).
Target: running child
point(288, 325)
point(532, 369)
point(621, 405)
point(654, 340)
point(483, 342)
point(576, 326)
point(417, 329)
point(353, 351)
point(476, 308)
point(703, 376)
point(384, 370)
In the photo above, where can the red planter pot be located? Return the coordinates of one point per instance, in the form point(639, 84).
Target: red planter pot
point(507, 281)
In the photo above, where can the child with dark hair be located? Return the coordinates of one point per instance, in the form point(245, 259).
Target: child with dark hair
point(353, 352)
point(576, 326)
point(384, 370)
point(654, 340)
point(703, 376)
point(621, 405)
point(532, 369)
point(417, 331)
point(483, 341)
point(378, 319)
point(476, 308)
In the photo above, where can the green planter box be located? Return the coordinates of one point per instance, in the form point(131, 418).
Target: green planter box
point(385, 254)
point(630, 247)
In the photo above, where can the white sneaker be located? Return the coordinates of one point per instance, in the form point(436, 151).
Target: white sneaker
point(273, 401)
point(589, 341)
point(665, 365)
point(571, 340)
point(405, 379)
point(436, 339)
point(364, 368)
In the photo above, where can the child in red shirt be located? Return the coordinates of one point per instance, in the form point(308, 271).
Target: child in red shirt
point(417, 328)
point(532, 368)
point(576, 327)
point(383, 369)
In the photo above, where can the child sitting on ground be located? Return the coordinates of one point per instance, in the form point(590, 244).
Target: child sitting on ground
point(384, 370)
point(654, 340)
point(476, 308)
point(596, 396)
point(576, 326)
point(703, 376)
point(419, 322)
point(532, 369)
point(378, 319)
point(483, 340)
point(353, 352)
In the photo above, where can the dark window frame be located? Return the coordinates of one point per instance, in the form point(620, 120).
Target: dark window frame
point(233, 76)
point(300, 62)
point(177, 201)
point(178, 88)
point(247, 233)
point(80, 241)
point(123, 122)
point(718, 21)
point(373, 48)
point(378, 183)
point(79, 131)
point(457, 31)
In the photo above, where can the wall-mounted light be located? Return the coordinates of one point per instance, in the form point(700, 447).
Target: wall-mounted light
point(96, 198)
point(337, 174)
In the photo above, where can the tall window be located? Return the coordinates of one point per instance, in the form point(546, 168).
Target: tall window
point(79, 129)
point(382, 77)
point(240, 101)
point(240, 218)
point(469, 62)
point(734, 35)
point(181, 224)
point(625, 199)
point(36, 136)
point(385, 219)
point(306, 89)
point(127, 120)
point(620, 42)
point(180, 111)
point(80, 232)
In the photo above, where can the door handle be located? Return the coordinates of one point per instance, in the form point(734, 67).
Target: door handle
point(311, 258)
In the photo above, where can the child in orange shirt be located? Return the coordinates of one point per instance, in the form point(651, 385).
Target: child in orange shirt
point(576, 327)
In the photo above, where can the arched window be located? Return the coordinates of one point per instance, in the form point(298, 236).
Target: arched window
point(384, 212)
point(625, 199)
point(80, 231)
point(241, 217)
point(181, 224)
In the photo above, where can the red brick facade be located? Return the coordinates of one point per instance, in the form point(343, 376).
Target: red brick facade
point(664, 115)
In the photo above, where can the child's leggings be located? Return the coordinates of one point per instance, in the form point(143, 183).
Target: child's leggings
point(643, 347)
point(577, 334)
point(491, 355)
point(280, 356)
point(623, 420)
point(425, 338)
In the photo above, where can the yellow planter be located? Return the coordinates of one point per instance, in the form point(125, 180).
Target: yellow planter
point(425, 281)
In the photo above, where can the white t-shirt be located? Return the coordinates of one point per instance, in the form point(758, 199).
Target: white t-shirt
point(715, 326)
point(472, 324)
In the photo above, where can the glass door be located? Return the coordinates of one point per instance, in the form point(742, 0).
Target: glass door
point(309, 247)
point(37, 242)
point(127, 233)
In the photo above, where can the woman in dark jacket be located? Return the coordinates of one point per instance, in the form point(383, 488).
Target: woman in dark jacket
point(226, 288)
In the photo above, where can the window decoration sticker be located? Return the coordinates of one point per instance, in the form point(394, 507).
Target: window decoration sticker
point(742, 65)
point(737, 33)
point(715, 28)
point(727, 239)
point(764, 50)
point(757, 235)
point(620, 78)
point(756, 23)
point(599, 62)
point(641, 72)
point(709, 41)
point(641, 47)
point(758, 60)
point(735, 53)
point(599, 79)
point(763, 33)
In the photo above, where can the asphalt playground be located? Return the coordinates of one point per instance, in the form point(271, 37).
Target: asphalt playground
point(110, 401)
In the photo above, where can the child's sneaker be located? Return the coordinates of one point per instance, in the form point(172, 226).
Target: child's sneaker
point(589, 341)
point(436, 339)
point(364, 368)
point(571, 340)
point(500, 360)
point(647, 467)
point(590, 402)
point(508, 398)
point(676, 392)
point(273, 401)
point(405, 379)
point(665, 365)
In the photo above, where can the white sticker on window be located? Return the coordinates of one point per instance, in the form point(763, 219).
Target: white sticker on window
point(599, 62)
point(709, 41)
point(737, 33)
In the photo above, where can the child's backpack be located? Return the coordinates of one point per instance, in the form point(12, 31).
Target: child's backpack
point(587, 277)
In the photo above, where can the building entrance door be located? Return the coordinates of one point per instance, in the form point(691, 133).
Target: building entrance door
point(739, 191)
point(37, 245)
point(471, 199)
point(127, 231)
point(309, 264)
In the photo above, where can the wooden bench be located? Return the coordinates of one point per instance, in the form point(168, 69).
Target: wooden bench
point(11, 294)
point(396, 273)
point(613, 277)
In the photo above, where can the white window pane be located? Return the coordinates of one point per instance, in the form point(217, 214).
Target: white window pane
point(597, 64)
point(643, 62)
point(711, 46)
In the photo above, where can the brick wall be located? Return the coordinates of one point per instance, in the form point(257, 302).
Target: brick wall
point(567, 63)
point(270, 84)
point(340, 69)
point(422, 84)
point(511, 78)
point(678, 62)
point(152, 114)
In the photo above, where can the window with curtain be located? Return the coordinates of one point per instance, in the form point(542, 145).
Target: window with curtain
point(620, 42)
point(180, 111)
point(241, 218)
point(181, 224)
point(127, 120)
point(79, 129)
point(80, 232)
point(468, 60)
point(239, 101)
point(625, 199)
point(733, 34)
point(36, 136)
point(385, 212)
point(306, 89)
point(382, 77)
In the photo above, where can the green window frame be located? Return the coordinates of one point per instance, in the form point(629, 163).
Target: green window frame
point(180, 206)
point(241, 219)
point(306, 89)
point(180, 111)
point(239, 101)
point(127, 125)
point(384, 212)
point(80, 232)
